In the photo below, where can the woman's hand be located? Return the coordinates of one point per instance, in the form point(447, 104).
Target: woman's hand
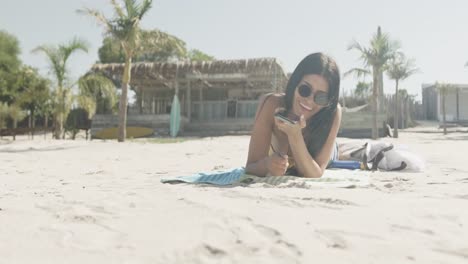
point(291, 129)
point(277, 164)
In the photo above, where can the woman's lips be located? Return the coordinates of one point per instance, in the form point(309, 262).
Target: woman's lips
point(305, 107)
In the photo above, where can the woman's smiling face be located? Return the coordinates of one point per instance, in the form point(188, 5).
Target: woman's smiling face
point(306, 105)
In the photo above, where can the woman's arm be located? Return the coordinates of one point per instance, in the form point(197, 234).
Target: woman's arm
point(306, 165)
point(260, 140)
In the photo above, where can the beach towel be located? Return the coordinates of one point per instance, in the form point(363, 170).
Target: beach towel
point(237, 176)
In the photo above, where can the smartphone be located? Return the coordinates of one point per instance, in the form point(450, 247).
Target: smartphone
point(284, 118)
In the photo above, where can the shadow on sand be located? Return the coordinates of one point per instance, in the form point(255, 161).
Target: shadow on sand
point(32, 149)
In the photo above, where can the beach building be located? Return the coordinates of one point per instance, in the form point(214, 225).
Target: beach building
point(456, 103)
point(216, 97)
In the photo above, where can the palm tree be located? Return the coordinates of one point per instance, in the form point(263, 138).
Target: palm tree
point(444, 89)
point(362, 86)
point(125, 27)
point(399, 69)
point(58, 57)
point(375, 58)
point(362, 90)
point(155, 45)
point(93, 90)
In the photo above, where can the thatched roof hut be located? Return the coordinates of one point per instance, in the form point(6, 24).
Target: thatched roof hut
point(204, 88)
point(266, 72)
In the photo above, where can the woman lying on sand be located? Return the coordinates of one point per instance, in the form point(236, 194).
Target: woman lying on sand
point(305, 146)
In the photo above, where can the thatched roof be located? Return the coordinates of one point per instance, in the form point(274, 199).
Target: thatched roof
point(262, 69)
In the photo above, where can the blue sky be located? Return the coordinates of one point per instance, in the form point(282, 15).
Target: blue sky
point(435, 33)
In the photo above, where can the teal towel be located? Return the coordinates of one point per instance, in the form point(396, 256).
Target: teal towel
point(339, 178)
point(216, 178)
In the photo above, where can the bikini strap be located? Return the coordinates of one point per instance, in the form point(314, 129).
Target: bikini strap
point(263, 103)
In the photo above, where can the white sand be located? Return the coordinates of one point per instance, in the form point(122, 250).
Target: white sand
point(102, 202)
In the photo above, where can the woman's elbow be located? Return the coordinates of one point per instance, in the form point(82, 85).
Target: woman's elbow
point(316, 174)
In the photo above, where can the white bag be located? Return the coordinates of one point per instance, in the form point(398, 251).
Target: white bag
point(385, 156)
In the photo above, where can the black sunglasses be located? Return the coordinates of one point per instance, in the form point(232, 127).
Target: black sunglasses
point(320, 97)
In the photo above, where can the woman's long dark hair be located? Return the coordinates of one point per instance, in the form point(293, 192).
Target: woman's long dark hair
point(318, 126)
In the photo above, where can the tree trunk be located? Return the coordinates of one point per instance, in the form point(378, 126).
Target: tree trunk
point(33, 116)
point(381, 92)
point(443, 113)
point(61, 129)
point(45, 126)
point(395, 117)
point(60, 108)
point(15, 125)
point(58, 126)
point(123, 100)
point(405, 113)
point(29, 125)
point(63, 116)
point(375, 106)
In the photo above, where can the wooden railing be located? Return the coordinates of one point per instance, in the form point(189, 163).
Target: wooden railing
point(23, 131)
point(221, 110)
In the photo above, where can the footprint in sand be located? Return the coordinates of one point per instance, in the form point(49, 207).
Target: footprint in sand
point(214, 251)
point(462, 252)
point(336, 238)
point(462, 196)
point(282, 246)
point(408, 228)
point(333, 239)
point(332, 201)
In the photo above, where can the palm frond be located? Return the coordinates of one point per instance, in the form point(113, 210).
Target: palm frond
point(365, 54)
point(400, 68)
point(411, 68)
point(132, 8)
point(357, 72)
point(101, 19)
point(87, 103)
point(55, 61)
point(91, 83)
point(144, 8)
point(97, 86)
point(75, 44)
point(118, 9)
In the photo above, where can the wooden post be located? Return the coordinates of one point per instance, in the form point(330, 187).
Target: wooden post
point(140, 101)
point(201, 114)
point(45, 125)
point(183, 110)
point(458, 104)
point(189, 102)
point(29, 126)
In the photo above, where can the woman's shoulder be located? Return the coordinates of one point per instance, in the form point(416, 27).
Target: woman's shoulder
point(338, 113)
point(272, 100)
point(339, 108)
point(267, 104)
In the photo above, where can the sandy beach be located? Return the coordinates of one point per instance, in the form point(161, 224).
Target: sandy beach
point(102, 202)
